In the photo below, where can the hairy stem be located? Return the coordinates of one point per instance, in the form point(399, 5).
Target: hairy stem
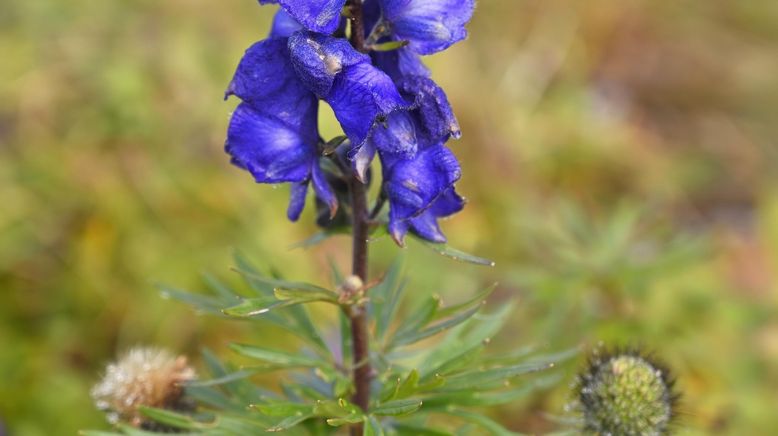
point(358, 314)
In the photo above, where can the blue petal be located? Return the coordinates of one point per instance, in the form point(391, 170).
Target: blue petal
point(324, 191)
point(318, 59)
point(272, 150)
point(400, 63)
point(297, 200)
point(429, 25)
point(266, 79)
point(426, 225)
point(396, 135)
point(360, 95)
point(413, 185)
point(432, 110)
point(321, 16)
point(284, 25)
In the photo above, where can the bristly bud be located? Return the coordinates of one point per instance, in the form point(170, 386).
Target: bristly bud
point(625, 393)
point(148, 377)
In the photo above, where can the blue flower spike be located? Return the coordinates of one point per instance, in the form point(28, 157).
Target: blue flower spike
point(385, 102)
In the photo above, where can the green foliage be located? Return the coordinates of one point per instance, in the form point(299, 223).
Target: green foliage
point(414, 382)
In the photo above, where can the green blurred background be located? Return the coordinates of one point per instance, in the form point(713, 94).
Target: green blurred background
point(620, 159)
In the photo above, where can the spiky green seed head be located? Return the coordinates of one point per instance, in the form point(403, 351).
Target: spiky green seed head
point(625, 394)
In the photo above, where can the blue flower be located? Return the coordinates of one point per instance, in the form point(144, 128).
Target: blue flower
point(273, 133)
point(429, 26)
point(321, 16)
point(365, 100)
point(434, 115)
point(425, 224)
point(420, 190)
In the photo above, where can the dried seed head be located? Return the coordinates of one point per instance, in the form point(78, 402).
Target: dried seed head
point(141, 377)
point(625, 393)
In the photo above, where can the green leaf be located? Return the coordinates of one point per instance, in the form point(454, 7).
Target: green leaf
point(385, 298)
point(408, 429)
point(464, 343)
point(413, 337)
point(484, 379)
point(283, 409)
point(388, 46)
point(203, 303)
point(299, 296)
point(372, 427)
point(252, 275)
point(453, 253)
point(255, 306)
point(280, 358)
point(397, 408)
point(172, 419)
point(350, 419)
point(228, 378)
point(290, 422)
point(477, 300)
point(404, 387)
point(420, 317)
point(319, 237)
point(484, 422)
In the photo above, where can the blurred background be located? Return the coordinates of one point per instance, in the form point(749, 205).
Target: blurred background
point(620, 159)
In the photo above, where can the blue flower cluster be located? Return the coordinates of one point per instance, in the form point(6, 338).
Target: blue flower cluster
point(385, 102)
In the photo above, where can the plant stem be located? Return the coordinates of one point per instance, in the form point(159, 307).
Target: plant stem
point(360, 218)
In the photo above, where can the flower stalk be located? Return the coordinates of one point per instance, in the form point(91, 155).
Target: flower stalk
point(360, 228)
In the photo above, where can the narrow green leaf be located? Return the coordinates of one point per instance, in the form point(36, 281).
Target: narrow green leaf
point(372, 427)
point(237, 375)
point(385, 298)
point(298, 296)
point(453, 253)
point(318, 238)
point(345, 420)
point(290, 422)
point(404, 388)
point(483, 421)
point(221, 289)
point(252, 275)
point(488, 378)
point(434, 329)
point(409, 429)
point(283, 409)
point(278, 283)
point(397, 408)
point(388, 46)
point(477, 300)
point(276, 357)
point(202, 303)
point(420, 317)
point(172, 419)
point(255, 306)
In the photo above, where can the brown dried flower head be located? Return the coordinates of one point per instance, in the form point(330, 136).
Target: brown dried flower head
point(149, 377)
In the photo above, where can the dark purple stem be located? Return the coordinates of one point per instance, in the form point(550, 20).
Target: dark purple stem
point(360, 222)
